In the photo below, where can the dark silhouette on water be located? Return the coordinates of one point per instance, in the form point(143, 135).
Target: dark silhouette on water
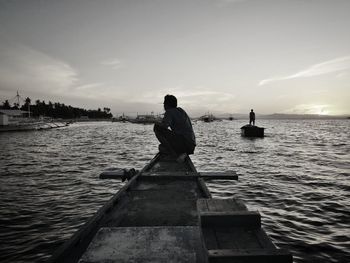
point(252, 117)
point(250, 130)
point(180, 140)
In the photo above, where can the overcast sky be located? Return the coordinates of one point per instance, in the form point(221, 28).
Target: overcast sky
point(215, 55)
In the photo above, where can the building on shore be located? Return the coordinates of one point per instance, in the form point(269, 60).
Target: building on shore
point(8, 117)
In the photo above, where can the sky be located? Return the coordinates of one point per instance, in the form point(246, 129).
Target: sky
point(218, 56)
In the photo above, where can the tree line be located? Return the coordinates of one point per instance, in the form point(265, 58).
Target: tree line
point(57, 110)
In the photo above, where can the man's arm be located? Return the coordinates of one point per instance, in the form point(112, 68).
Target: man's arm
point(166, 121)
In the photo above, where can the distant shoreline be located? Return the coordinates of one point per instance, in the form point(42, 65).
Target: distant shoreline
point(263, 117)
point(284, 117)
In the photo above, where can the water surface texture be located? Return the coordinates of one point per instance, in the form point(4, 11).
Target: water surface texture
point(297, 177)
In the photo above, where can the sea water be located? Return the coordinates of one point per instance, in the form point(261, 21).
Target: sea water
point(297, 177)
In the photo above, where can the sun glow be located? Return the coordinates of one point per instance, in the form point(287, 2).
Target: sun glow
point(319, 110)
point(310, 109)
point(322, 111)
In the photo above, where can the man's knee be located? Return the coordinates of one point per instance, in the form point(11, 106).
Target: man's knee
point(157, 128)
point(161, 132)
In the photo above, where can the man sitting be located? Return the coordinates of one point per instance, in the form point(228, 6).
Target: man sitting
point(180, 140)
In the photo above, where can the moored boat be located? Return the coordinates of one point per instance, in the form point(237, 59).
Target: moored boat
point(146, 119)
point(165, 213)
point(208, 118)
point(121, 118)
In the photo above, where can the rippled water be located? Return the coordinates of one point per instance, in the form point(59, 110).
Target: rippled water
point(297, 177)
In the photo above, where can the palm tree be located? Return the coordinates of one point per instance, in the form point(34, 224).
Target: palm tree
point(27, 103)
point(6, 105)
point(28, 100)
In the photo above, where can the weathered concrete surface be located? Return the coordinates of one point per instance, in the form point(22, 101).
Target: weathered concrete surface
point(146, 244)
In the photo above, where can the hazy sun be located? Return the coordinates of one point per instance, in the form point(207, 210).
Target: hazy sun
point(320, 110)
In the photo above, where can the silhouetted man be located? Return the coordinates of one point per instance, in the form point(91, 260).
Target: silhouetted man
point(180, 140)
point(252, 117)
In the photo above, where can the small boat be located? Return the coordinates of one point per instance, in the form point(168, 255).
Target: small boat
point(146, 119)
point(252, 131)
point(121, 118)
point(208, 118)
point(165, 213)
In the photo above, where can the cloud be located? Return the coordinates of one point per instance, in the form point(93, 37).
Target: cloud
point(39, 75)
point(193, 97)
point(199, 99)
point(90, 86)
point(330, 66)
point(23, 68)
point(34, 73)
point(230, 1)
point(113, 63)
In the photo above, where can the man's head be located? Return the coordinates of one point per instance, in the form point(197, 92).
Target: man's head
point(251, 110)
point(170, 101)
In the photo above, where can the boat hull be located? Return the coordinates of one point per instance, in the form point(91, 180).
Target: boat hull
point(165, 213)
point(252, 131)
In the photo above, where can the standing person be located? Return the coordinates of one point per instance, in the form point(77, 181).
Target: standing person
point(251, 117)
point(180, 140)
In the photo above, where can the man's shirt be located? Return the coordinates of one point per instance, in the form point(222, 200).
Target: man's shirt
point(179, 122)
